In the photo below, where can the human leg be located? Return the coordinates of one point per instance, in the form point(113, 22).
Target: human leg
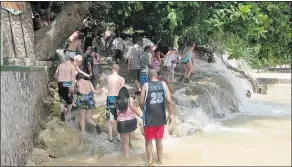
point(82, 120)
point(125, 140)
point(88, 118)
point(149, 148)
point(189, 67)
point(185, 71)
point(159, 148)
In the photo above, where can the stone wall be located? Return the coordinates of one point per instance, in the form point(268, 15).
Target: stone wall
point(18, 39)
point(23, 92)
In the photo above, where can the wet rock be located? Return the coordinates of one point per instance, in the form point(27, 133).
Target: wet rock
point(262, 89)
point(51, 92)
point(98, 116)
point(193, 132)
point(39, 156)
point(48, 103)
point(30, 163)
point(248, 93)
point(59, 139)
point(54, 85)
point(56, 109)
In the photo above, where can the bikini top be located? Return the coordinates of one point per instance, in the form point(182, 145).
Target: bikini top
point(125, 115)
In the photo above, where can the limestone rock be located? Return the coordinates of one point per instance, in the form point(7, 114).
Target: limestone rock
point(59, 139)
point(51, 92)
point(56, 109)
point(30, 163)
point(98, 116)
point(262, 89)
point(54, 85)
point(39, 156)
point(48, 103)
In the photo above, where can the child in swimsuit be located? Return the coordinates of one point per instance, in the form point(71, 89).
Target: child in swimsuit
point(85, 101)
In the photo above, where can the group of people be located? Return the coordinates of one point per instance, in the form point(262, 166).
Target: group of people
point(77, 85)
point(140, 62)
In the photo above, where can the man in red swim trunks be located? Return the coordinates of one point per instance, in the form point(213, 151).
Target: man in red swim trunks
point(154, 97)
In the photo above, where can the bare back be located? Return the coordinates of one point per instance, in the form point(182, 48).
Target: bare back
point(115, 83)
point(84, 86)
point(66, 72)
point(75, 45)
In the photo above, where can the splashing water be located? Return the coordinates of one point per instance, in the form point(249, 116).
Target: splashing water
point(198, 116)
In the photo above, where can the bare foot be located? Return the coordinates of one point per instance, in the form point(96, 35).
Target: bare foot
point(159, 162)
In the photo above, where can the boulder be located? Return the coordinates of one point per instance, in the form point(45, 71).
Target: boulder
point(54, 85)
point(98, 116)
point(39, 156)
point(30, 163)
point(56, 109)
point(262, 89)
point(51, 92)
point(59, 139)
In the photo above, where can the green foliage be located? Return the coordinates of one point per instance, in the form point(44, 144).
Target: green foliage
point(259, 32)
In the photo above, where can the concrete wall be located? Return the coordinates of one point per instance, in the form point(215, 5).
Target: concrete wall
point(23, 91)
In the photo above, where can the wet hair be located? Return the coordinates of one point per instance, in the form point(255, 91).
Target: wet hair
point(190, 44)
point(123, 99)
point(147, 48)
point(71, 59)
point(116, 67)
point(79, 76)
point(80, 36)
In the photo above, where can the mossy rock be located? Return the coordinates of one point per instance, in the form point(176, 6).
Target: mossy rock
point(59, 139)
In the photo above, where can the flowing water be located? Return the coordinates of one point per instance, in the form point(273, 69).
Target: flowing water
point(236, 130)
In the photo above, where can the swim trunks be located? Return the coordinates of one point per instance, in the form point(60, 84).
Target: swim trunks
point(63, 90)
point(111, 113)
point(153, 132)
point(143, 78)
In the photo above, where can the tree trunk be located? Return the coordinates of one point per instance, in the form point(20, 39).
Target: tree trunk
point(175, 41)
point(49, 38)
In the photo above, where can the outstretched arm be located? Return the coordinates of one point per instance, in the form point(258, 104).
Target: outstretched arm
point(93, 90)
point(103, 82)
point(142, 97)
point(168, 102)
point(134, 108)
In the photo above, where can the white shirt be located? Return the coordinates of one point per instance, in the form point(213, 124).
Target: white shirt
point(118, 43)
point(168, 60)
point(135, 53)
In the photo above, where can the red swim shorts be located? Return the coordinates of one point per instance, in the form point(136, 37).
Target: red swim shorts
point(153, 132)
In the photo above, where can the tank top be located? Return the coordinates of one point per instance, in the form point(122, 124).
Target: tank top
point(154, 109)
point(187, 57)
point(156, 64)
point(126, 115)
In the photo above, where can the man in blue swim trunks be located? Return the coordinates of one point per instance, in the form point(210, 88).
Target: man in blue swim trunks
point(145, 64)
point(114, 83)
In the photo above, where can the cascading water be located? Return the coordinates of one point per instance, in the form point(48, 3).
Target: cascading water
point(219, 94)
